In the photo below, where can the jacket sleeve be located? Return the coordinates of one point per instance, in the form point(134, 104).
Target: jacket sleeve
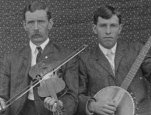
point(4, 76)
point(146, 66)
point(83, 81)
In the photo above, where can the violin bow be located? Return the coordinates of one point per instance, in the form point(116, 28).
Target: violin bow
point(36, 82)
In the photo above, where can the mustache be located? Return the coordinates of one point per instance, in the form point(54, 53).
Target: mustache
point(36, 34)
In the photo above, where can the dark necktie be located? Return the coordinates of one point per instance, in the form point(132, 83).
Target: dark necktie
point(39, 54)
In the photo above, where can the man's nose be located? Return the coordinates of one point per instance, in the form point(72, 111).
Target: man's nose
point(108, 30)
point(36, 26)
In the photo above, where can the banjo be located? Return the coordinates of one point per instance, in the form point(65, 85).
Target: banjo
point(120, 95)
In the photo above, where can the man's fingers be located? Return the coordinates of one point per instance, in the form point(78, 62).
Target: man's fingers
point(110, 107)
point(60, 103)
point(108, 111)
point(54, 107)
point(47, 102)
point(2, 105)
point(50, 103)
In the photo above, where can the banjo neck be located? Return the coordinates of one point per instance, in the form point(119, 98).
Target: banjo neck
point(137, 63)
point(131, 74)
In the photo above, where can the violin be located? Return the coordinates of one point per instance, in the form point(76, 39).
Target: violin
point(50, 80)
point(49, 86)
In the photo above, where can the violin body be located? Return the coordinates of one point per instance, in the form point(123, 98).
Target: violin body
point(50, 86)
point(125, 106)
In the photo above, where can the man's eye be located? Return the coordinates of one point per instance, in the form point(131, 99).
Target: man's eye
point(41, 21)
point(102, 25)
point(30, 22)
point(114, 25)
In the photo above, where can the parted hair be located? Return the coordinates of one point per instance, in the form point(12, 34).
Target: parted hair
point(106, 12)
point(36, 5)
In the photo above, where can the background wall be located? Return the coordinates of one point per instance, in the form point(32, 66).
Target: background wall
point(73, 22)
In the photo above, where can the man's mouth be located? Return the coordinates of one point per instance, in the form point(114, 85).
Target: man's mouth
point(108, 37)
point(36, 35)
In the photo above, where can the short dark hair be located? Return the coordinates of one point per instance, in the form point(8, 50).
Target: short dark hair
point(36, 5)
point(106, 12)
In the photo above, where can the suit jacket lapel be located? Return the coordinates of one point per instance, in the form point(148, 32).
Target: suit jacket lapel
point(119, 54)
point(48, 51)
point(102, 60)
point(25, 56)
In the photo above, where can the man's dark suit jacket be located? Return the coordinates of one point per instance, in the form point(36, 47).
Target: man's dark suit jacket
point(96, 73)
point(14, 78)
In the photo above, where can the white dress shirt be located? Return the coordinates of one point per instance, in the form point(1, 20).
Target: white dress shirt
point(34, 53)
point(110, 55)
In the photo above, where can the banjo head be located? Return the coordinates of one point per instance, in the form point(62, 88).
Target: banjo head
point(125, 107)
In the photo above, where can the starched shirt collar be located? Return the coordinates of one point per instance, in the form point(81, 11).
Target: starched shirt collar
point(105, 50)
point(33, 46)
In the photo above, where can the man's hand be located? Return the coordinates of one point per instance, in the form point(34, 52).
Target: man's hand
point(51, 104)
point(102, 107)
point(2, 104)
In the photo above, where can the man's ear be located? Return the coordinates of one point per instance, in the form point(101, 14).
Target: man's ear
point(50, 25)
point(121, 27)
point(94, 28)
point(24, 25)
